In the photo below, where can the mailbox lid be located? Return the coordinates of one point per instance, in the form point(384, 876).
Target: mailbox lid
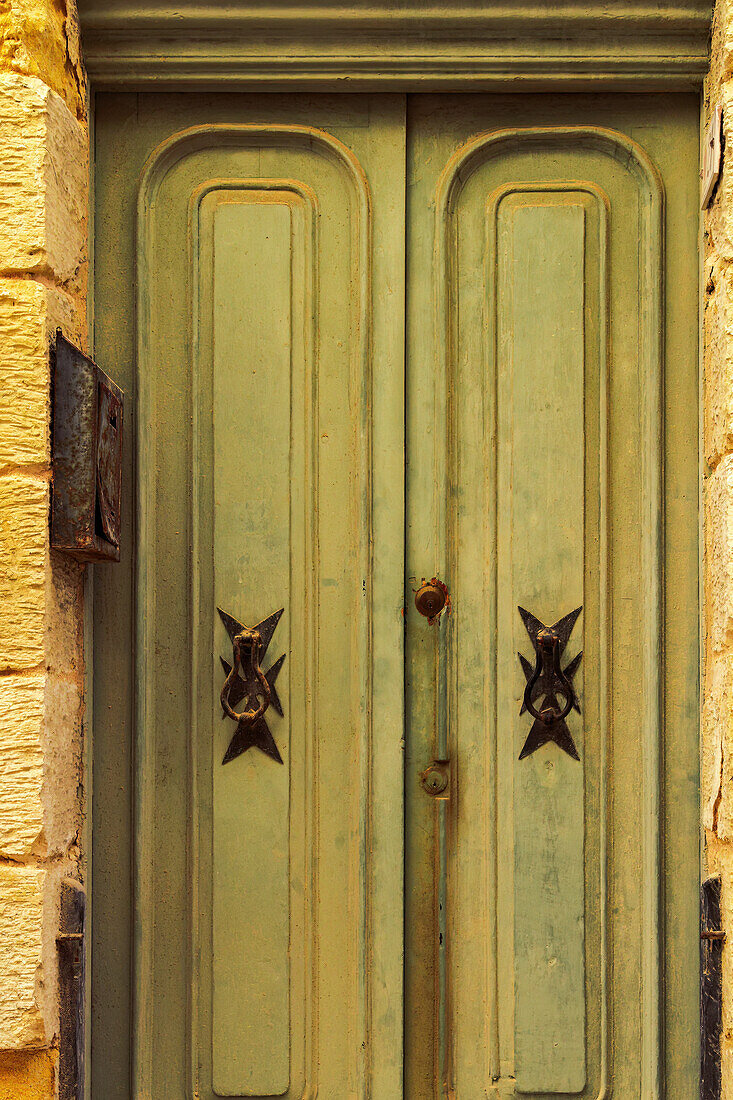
point(87, 456)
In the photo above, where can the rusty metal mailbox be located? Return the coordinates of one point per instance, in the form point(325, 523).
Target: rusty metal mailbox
point(87, 457)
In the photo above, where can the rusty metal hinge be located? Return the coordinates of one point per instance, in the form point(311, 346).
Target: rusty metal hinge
point(72, 968)
point(712, 938)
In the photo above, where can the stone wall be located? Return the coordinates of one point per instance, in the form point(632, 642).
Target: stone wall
point(717, 719)
point(43, 207)
point(43, 247)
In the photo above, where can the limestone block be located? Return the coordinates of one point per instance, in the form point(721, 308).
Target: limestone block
point(28, 1075)
point(724, 36)
point(40, 765)
point(21, 951)
point(43, 183)
point(719, 217)
point(22, 700)
point(66, 194)
point(718, 361)
point(717, 717)
point(717, 698)
point(719, 558)
point(41, 38)
point(717, 750)
point(62, 765)
point(23, 562)
point(65, 617)
point(30, 313)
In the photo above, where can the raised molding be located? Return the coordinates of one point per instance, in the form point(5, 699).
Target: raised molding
point(305, 939)
point(169, 153)
point(596, 194)
point(571, 43)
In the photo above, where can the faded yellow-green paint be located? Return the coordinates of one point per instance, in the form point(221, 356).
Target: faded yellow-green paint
point(268, 897)
point(551, 931)
point(257, 239)
point(551, 949)
point(400, 45)
point(539, 243)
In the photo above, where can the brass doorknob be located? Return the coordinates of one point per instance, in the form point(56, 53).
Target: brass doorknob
point(430, 599)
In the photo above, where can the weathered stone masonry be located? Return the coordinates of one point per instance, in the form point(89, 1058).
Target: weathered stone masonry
point(43, 230)
point(717, 720)
point(43, 247)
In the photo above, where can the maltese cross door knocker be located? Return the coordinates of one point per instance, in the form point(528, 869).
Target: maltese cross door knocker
point(548, 680)
point(246, 681)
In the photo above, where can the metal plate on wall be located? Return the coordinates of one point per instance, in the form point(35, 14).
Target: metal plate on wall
point(87, 457)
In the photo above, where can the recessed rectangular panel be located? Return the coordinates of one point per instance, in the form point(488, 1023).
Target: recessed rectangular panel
point(251, 851)
point(541, 489)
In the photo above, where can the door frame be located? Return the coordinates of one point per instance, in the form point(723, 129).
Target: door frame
point(333, 50)
point(451, 46)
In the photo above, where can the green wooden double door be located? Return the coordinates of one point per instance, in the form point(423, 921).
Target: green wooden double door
point(369, 340)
